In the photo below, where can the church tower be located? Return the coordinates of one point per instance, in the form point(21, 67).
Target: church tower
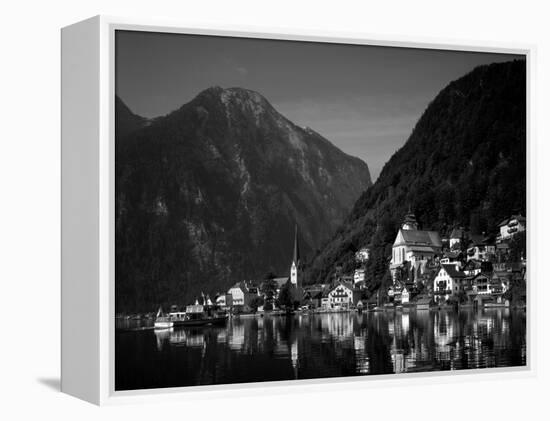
point(295, 266)
point(410, 222)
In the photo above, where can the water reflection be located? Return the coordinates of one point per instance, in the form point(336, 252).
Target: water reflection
point(323, 345)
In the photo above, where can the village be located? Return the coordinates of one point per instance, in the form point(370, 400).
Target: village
point(427, 272)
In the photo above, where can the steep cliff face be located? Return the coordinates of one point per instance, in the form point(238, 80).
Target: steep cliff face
point(463, 165)
point(209, 195)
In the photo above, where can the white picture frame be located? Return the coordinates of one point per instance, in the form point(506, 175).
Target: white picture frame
point(88, 213)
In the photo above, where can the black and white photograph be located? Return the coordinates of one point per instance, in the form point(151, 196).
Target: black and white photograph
point(291, 210)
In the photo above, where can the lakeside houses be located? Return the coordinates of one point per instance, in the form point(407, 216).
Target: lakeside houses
point(471, 270)
point(425, 270)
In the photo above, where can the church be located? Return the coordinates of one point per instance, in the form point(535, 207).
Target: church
point(295, 269)
point(413, 246)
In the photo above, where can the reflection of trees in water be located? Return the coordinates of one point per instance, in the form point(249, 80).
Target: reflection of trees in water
point(378, 345)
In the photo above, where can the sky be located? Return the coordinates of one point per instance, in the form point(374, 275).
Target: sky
point(364, 99)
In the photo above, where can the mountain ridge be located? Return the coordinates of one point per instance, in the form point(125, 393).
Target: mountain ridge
point(209, 194)
point(463, 165)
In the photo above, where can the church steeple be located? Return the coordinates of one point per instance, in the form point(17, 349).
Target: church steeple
point(296, 255)
point(410, 222)
point(295, 266)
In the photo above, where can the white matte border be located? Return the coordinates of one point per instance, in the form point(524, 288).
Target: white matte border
point(108, 395)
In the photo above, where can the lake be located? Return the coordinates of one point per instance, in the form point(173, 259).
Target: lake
point(308, 346)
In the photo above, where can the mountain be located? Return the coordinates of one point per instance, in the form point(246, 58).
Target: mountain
point(126, 121)
point(210, 194)
point(463, 165)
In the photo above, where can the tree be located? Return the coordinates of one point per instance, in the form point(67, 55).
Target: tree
point(269, 288)
point(255, 303)
point(285, 296)
point(518, 247)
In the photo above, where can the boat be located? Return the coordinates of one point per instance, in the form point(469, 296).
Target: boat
point(198, 315)
point(162, 321)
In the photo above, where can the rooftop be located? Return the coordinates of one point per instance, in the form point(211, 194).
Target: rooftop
point(421, 238)
point(453, 272)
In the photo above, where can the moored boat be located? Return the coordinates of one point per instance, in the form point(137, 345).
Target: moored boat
point(162, 321)
point(198, 315)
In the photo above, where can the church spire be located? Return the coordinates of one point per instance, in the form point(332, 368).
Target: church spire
point(295, 266)
point(410, 222)
point(296, 255)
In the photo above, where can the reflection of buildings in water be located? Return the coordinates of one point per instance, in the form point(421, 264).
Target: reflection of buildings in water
point(405, 323)
point(398, 328)
point(162, 337)
point(448, 345)
point(361, 357)
point(337, 326)
point(294, 356)
point(391, 328)
point(189, 338)
point(398, 361)
point(221, 337)
point(492, 329)
point(236, 336)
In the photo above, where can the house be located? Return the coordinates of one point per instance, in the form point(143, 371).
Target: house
point(362, 255)
point(480, 248)
point(502, 252)
point(414, 246)
point(359, 276)
point(448, 282)
point(313, 294)
point(405, 295)
point(511, 226)
point(481, 283)
point(224, 301)
point(341, 295)
point(451, 257)
point(313, 298)
point(457, 237)
point(242, 294)
point(472, 268)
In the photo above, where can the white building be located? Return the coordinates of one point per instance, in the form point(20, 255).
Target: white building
point(362, 256)
point(358, 276)
point(242, 293)
point(237, 293)
point(448, 282)
point(224, 300)
point(405, 296)
point(414, 246)
point(511, 226)
point(341, 295)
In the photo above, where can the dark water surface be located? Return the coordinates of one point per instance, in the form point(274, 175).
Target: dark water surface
point(311, 346)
